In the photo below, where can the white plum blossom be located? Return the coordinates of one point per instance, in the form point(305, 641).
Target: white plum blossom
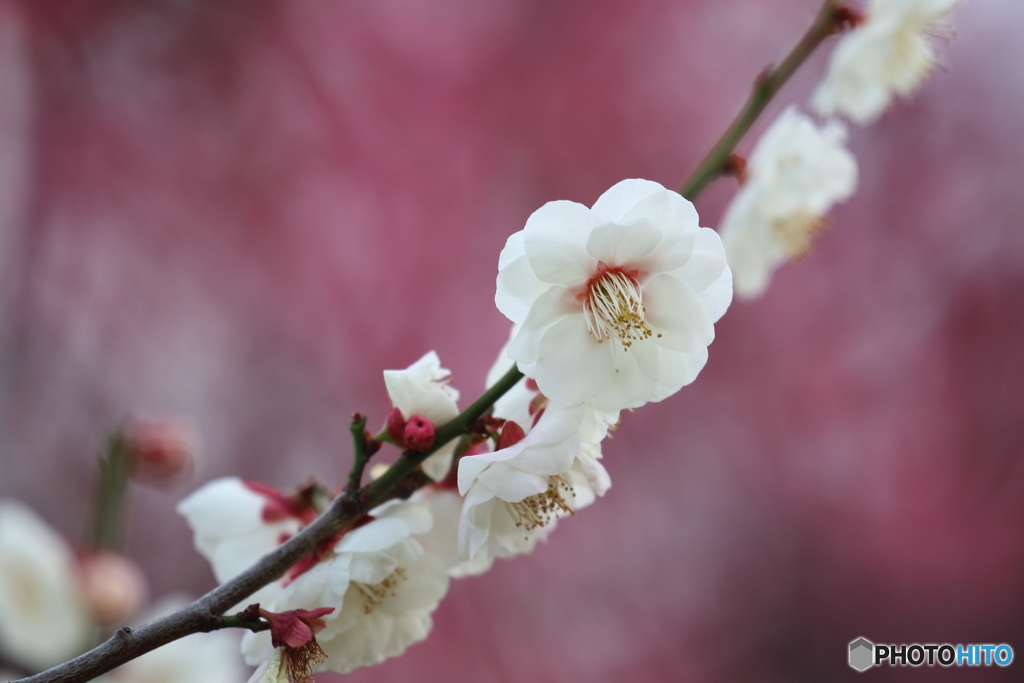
point(377, 577)
point(616, 304)
point(795, 174)
point(889, 53)
point(424, 390)
point(381, 583)
point(235, 523)
point(514, 496)
point(43, 620)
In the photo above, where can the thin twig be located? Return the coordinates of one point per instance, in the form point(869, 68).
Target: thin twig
point(204, 613)
point(831, 18)
point(359, 452)
point(111, 487)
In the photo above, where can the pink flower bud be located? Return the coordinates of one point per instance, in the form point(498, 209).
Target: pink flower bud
point(511, 434)
point(112, 586)
point(396, 425)
point(419, 433)
point(160, 452)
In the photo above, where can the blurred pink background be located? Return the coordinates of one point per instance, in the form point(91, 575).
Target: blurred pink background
point(242, 211)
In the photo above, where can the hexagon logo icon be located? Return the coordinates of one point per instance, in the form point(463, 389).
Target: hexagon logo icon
point(862, 653)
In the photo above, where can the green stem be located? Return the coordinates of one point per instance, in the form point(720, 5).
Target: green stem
point(112, 485)
point(410, 460)
point(771, 80)
point(359, 453)
point(239, 621)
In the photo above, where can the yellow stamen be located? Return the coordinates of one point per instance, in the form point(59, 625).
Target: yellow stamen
point(373, 594)
point(541, 509)
point(614, 307)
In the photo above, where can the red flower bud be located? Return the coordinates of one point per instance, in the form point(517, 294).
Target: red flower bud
point(419, 433)
point(160, 452)
point(396, 425)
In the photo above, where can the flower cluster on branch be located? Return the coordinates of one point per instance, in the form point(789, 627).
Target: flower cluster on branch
point(612, 306)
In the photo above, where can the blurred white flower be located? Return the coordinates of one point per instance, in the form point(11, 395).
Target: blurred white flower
point(198, 658)
point(616, 304)
point(795, 174)
point(380, 581)
point(236, 523)
point(43, 620)
point(889, 53)
point(424, 390)
point(514, 495)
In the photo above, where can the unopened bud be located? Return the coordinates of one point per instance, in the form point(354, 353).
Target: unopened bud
point(113, 587)
point(396, 425)
point(419, 433)
point(160, 452)
point(511, 434)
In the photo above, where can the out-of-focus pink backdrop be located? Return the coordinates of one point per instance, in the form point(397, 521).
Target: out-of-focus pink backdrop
point(243, 211)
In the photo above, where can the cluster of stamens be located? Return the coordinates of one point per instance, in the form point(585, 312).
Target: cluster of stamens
point(541, 509)
point(796, 232)
point(302, 660)
point(613, 307)
point(373, 594)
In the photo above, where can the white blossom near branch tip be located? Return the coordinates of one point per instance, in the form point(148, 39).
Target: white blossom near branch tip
point(381, 582)
point(617, 303)
point(43, 619)
point(795, 174)
point(424, 390)
point(514, 496)
point(889, 53)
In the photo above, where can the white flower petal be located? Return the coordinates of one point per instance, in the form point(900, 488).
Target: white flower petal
point(572, 364)
point(552, 306)
point(675, 312)
point(518, 287)
point(510, 484)
point(617, 200)
point(370, 568)
point(555, 238)
point(623, 244)
point(373, 537)
point(475, 523)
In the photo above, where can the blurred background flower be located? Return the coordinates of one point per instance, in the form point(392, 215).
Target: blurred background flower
point(241, 211)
